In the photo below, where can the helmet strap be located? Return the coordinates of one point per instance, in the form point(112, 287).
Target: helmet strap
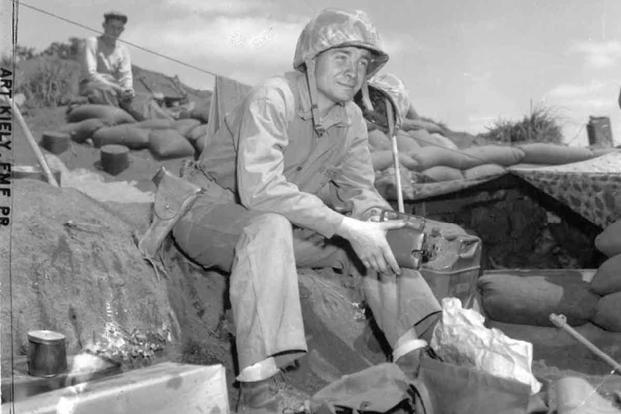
point(366, 99)
point(312, 92)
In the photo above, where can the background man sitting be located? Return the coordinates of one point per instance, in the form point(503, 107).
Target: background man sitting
point(106, 67)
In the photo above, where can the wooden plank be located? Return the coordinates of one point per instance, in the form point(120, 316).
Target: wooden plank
point(162, 388)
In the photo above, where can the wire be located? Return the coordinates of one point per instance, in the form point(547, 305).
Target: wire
point(189, 65)
point(577, 134)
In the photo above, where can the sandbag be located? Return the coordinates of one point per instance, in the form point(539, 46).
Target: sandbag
point(494, 154)
point(484, 170)
point(128, 135)
point(378, 140)
point(383, 159)
point(426, 139)
point(407, 161)
point(428, 157)
point(200, 144)
point(201, 111)
point(553, 154)
point(197, 132)
point(406, 143)
point(83, 130)
point(607, 279)
point(443, 141)
point(531, 299)
point(169, 143)
point(385, 183)
point(155, 124)
point(609, 241)
point(442, 173)
point(111, 114)
point(608, 312)
point(184, 126)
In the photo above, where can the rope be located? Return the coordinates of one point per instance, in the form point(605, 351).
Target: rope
point(137, 46)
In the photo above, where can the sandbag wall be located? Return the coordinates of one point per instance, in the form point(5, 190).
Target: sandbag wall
point(431, 157)
point(529, 299)
point(106, 125)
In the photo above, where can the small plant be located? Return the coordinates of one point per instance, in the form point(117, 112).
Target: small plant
point(540, 126)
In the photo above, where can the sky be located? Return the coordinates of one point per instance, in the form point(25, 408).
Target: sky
point(466, 63)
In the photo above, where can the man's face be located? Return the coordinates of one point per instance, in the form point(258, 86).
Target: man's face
point(113, 28)
point(340, 72)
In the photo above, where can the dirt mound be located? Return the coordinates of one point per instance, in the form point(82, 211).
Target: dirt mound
point(75, 269)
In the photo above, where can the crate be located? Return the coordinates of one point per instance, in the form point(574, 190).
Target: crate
point(163, 388)
point(452, 261)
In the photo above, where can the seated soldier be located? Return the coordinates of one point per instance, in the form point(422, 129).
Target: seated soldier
point(106, 67)
point(288, 182)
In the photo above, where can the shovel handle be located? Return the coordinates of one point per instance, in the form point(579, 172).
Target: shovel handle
point(33, 144)
point(561, 322)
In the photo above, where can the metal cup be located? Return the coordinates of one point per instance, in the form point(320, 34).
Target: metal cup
point(47, 356)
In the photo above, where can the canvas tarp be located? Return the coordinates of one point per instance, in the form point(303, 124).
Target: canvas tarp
point(591, 188)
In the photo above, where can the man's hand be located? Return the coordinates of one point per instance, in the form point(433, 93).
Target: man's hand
point(368, 239)
point(127, 94)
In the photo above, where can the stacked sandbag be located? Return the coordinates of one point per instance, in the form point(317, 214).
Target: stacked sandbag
point(426, 139)
point(609, 241)
point(155, 124)
point(109, 125)
point(384, 159)
point(529, 300)
point(184, 126)
point(441, 173)
point(82, 130)
point(169, 143)
point(553, 154)
point(483, 171)
point(607, 280)
point(378, 141)
point(385, 183)
point(431, 156)
point(492, 154)
point(126, 134)
point(197, 137)
point(111, 114)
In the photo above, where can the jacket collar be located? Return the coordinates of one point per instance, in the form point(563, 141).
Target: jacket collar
point(337, 116)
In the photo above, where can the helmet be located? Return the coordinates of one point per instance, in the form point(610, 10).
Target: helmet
point(338, 28)
point(394, 89)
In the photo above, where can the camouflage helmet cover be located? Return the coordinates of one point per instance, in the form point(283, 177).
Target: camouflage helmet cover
point(339, 28)
point(394, 89)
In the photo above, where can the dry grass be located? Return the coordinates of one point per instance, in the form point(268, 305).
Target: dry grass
point(47, 81)
point(540, 126)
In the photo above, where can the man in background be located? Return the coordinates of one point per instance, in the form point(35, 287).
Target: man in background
point(106, 67)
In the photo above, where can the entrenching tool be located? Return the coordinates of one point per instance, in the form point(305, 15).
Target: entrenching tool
point(395, 154)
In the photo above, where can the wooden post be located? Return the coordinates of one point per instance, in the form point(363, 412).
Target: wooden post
point(33, 144)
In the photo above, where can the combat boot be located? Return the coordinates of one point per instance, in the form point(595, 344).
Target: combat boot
point(269, 396)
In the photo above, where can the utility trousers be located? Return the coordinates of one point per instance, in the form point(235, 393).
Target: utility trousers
point(102, 94)
point(262, 251)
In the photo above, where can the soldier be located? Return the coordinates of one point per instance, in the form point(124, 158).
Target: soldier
point(106, 67)
point(289, 181)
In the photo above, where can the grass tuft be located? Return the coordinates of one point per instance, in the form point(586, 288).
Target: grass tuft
point(540, 126)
